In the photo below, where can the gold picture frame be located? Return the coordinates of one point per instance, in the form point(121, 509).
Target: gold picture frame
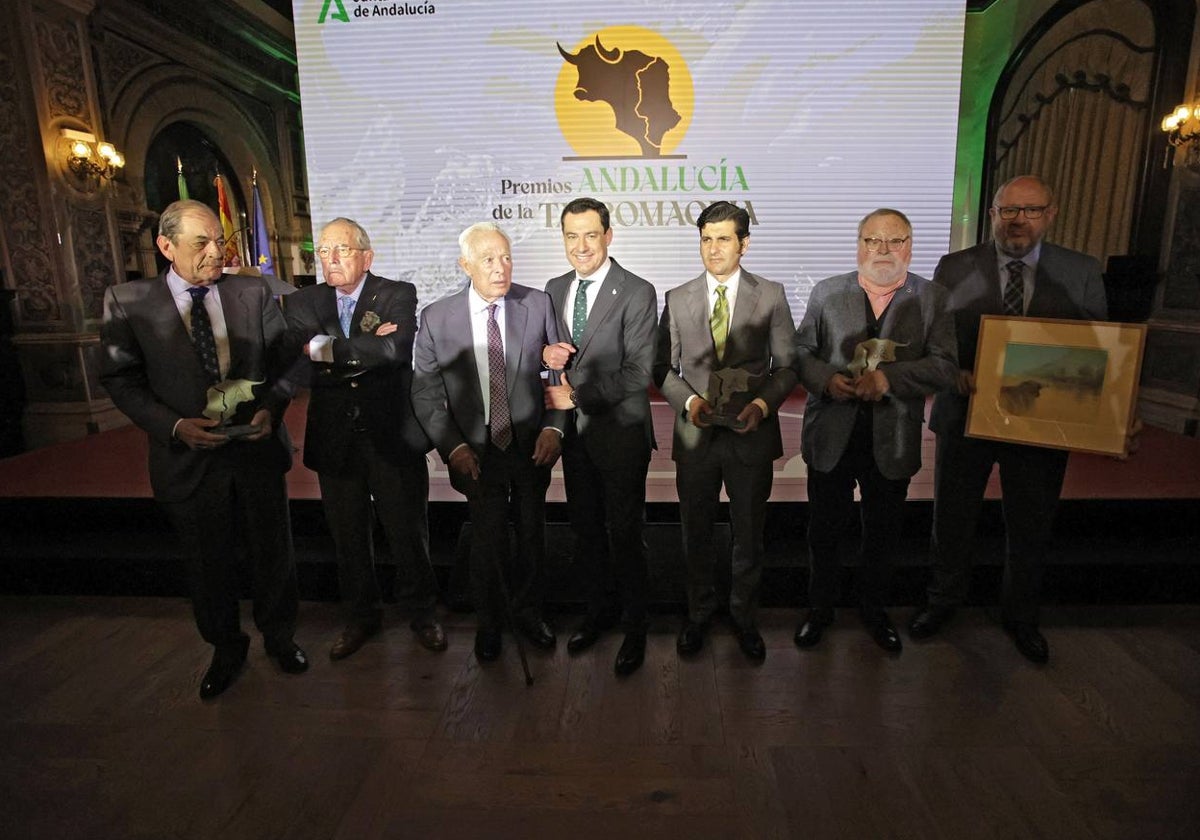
point(1057, 383)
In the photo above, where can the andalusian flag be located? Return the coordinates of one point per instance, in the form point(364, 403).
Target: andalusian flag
point(262, 239)
point(183, 191)
point(224, 210)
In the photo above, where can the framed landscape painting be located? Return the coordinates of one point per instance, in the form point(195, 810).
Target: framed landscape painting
point(1063, 384)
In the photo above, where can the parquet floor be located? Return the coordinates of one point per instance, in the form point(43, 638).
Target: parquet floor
point(102, 734)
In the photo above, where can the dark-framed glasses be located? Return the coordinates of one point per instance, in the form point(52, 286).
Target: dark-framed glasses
point(1010, 213)
point(874, 243)
point(343, 251)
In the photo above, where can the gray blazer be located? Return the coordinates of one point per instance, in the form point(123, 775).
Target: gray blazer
point(610, 370)
point(759, 342)
point(833, 325)
point(152, 373)
point(446, 391)
point(1068, 284)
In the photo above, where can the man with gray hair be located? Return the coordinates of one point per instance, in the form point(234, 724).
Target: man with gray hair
point(356, 330)
point(478, 392)
point(873, 344)
point(170, 343)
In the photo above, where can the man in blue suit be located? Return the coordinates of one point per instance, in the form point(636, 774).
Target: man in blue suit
point(1016, 274)
point(477, 390)
point(872, 345)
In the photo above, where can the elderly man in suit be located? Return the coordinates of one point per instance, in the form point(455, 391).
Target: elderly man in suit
point(166, 342)
point(477, 390)
point(872, 345)
point(610, 315)
point(734, 324)
point(1016, 274)
point(361, 438)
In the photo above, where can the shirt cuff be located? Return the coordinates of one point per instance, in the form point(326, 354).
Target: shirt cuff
point(560, 431)
point(762, 404)
point(320, 348)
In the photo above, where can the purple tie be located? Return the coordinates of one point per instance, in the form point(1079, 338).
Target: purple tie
point(500, 419)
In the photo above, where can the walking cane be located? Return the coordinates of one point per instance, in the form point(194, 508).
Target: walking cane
point(512, 618)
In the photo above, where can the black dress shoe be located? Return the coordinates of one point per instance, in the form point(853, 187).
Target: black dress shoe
point(288, 655)
point(882, 631)
point(1030, 642)
point(430, 634)
point(929, 621)
point(632, 653)
point(752, 644)
point(226, 664)
point(809, 632)
point(487, 644)
point(583, 638)
point(538, 632)
point(691, 639)
point(351, 639)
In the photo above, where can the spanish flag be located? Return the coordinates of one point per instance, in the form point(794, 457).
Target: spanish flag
point(225, 211)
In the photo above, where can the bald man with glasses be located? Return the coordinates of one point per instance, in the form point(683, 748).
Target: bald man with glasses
point(1019, 274)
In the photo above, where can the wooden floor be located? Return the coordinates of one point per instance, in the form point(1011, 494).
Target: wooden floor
point(102, 734)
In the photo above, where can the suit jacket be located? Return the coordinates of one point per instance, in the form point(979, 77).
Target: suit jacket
point(759, 342)
point(368, 386)
point(834, 323)
point(446, 386)
point(1068, 284)
point(151, 371)
point(610, 370)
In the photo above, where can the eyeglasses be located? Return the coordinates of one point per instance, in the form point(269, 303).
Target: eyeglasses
point(874, 243)
point(343, 251)
point(1010, 213)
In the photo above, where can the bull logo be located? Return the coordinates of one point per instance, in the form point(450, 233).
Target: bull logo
point(624, 92)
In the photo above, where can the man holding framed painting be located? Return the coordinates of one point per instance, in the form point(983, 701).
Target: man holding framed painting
point(1016, 274)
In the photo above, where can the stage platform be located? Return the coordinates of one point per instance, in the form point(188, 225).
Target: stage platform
point(79, 517)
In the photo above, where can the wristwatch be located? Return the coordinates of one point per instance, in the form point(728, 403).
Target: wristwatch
point(574, 401)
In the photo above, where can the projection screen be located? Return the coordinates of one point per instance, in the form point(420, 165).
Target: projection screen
point(421, 118)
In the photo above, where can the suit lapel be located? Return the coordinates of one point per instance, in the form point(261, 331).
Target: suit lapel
point(989, 269)
point(515, 316)
point(748, 293)
point(606, 299)
point(366, 302)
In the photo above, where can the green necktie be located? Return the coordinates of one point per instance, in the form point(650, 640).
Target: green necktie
point(579, 316)
point(719, 322)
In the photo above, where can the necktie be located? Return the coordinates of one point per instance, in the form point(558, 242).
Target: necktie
point(202, 335)
point(345, 312)
point(499, 418)
point(1014, 290)
point(719, 322)
point(579, 317)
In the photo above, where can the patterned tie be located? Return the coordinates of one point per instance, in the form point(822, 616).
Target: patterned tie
point(202, 335)
point(719, 322)
point(579, 317)
point(500, 419)
point(345, 312)
point(1014, 291)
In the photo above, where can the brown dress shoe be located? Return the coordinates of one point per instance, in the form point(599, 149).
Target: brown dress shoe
point(430, 634)
point(351, 639)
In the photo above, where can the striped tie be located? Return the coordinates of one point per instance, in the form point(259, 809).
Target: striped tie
point(1014, 291)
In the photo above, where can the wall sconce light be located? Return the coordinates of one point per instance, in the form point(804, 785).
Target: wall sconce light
point(1182, 127)
point(87, 158)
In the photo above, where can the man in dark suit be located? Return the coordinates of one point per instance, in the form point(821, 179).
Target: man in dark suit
point(166, 341)
point(477, 390)
point(733, 322)
point(610, 315)
point(361, 438)
point(1017, 274)
point(872, 345)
